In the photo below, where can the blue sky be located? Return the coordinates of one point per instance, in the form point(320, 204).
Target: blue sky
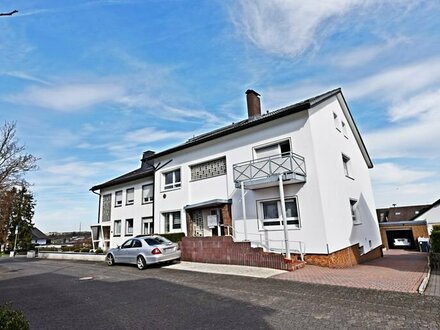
point(92, 84)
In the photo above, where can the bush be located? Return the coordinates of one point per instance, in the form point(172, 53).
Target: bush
point(435, 227)
point(85, 249)
point(12, 320)
point(435, 241)
point(99, 251)
point(174, 237)
point(76, 250)
point(48, 249)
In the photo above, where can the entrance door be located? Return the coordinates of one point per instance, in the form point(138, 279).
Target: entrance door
point(197, 222)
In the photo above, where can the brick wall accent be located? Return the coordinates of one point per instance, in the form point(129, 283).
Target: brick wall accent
point(344, 258)
point(223, 250)
point(371, 255)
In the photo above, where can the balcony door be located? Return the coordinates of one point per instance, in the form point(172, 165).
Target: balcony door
point(276, 149)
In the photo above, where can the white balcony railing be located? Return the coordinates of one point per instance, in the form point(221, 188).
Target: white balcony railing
point(287, 163)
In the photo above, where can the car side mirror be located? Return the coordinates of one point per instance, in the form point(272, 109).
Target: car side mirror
point(118, 247)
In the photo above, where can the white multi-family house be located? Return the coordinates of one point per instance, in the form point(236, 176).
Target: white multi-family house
point(125, 207)
point(291, 180)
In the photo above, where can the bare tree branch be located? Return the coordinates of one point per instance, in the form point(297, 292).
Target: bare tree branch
point(9, 14)
point(14, 162)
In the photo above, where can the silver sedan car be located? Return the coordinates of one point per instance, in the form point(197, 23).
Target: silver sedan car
point(143, 251)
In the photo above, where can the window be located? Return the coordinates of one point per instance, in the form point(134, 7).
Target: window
point(347, 166)
point(271, 214)
point(274, 150)
point(344, 129)
point(208, 169)
point(127, 244)
point(118, 198)
point(147, 225)
point(129, 196)
point(416, 212)
point(137, 243)
point(353, 207)
point(397, 213)
point(128, 227)
point(172, 222)
point(117, 228)
point(106, 207)
point(336, 121)
point(147, 193)
point(172, 179)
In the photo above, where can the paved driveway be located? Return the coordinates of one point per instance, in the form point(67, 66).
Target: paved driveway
point(57, 294)
point(398, 270)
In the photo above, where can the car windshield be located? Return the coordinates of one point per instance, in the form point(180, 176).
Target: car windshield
point(153, 241)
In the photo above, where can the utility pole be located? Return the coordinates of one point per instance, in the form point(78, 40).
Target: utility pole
point(16, 236)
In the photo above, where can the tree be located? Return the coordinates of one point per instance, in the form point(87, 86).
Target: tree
point(22, 213)
point(14, 162)
point(7, 198)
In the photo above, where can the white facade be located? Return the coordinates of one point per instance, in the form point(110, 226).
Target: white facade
point(134, 218)
point(432, 216)
point(331, 209)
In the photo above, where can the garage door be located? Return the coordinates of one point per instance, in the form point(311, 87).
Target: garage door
point(400, 239)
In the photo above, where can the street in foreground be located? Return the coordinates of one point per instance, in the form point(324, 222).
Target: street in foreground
point(75, 295)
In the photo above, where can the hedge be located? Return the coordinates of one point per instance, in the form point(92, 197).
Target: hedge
point(174, 237)
point(12, 320)
point(435, 241)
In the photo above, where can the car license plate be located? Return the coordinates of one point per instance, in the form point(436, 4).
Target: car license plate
point(170, 249)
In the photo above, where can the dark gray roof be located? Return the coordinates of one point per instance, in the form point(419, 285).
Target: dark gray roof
point(250, 122)
point(437, 202)
point(139, 173)
point(38, 234)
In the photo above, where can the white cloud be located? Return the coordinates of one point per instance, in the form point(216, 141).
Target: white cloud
point(150, 134)
point(68, 98)
point(404, 186)
point(390, 173)
point(396, 83)
point(290, 28)
point(26, 76)
point(365, 54)
point(425, 104)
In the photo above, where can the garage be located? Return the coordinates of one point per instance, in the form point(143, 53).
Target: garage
point(400, 239)
point(402, 234)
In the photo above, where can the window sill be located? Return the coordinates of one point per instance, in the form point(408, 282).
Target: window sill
point(145, 203)
point(210, 177)
point(346, 136)
point(357, 223)
point(118, 205)
point(115, 235)
point(127, 204)
point(338, 129)
point(171, 189)
point(279, 228)
point(349, 177)
point(128, 235)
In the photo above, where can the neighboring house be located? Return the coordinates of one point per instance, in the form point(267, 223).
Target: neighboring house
point(125, 207)
point(400, 213)
point(399, 228)
point(39, 238)
point(231, 181)
point(431, 215)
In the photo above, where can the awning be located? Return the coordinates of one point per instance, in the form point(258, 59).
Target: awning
point(210, 203)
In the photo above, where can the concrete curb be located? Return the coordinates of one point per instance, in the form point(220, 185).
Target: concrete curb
point(424, 284)
point(71, 256)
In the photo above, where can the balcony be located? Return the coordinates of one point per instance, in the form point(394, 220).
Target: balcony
point(264, 172)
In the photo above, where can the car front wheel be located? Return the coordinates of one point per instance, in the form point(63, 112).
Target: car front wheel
point(110, 260)
point(141, 263)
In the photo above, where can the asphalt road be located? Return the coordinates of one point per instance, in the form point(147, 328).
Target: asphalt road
point(55, 295)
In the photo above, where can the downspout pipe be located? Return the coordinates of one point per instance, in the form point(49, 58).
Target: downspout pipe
point(283, 212)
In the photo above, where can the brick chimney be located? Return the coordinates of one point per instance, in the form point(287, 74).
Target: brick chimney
point(253, 103)
point(144, 162)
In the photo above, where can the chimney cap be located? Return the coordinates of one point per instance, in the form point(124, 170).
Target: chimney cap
point(251, 91)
